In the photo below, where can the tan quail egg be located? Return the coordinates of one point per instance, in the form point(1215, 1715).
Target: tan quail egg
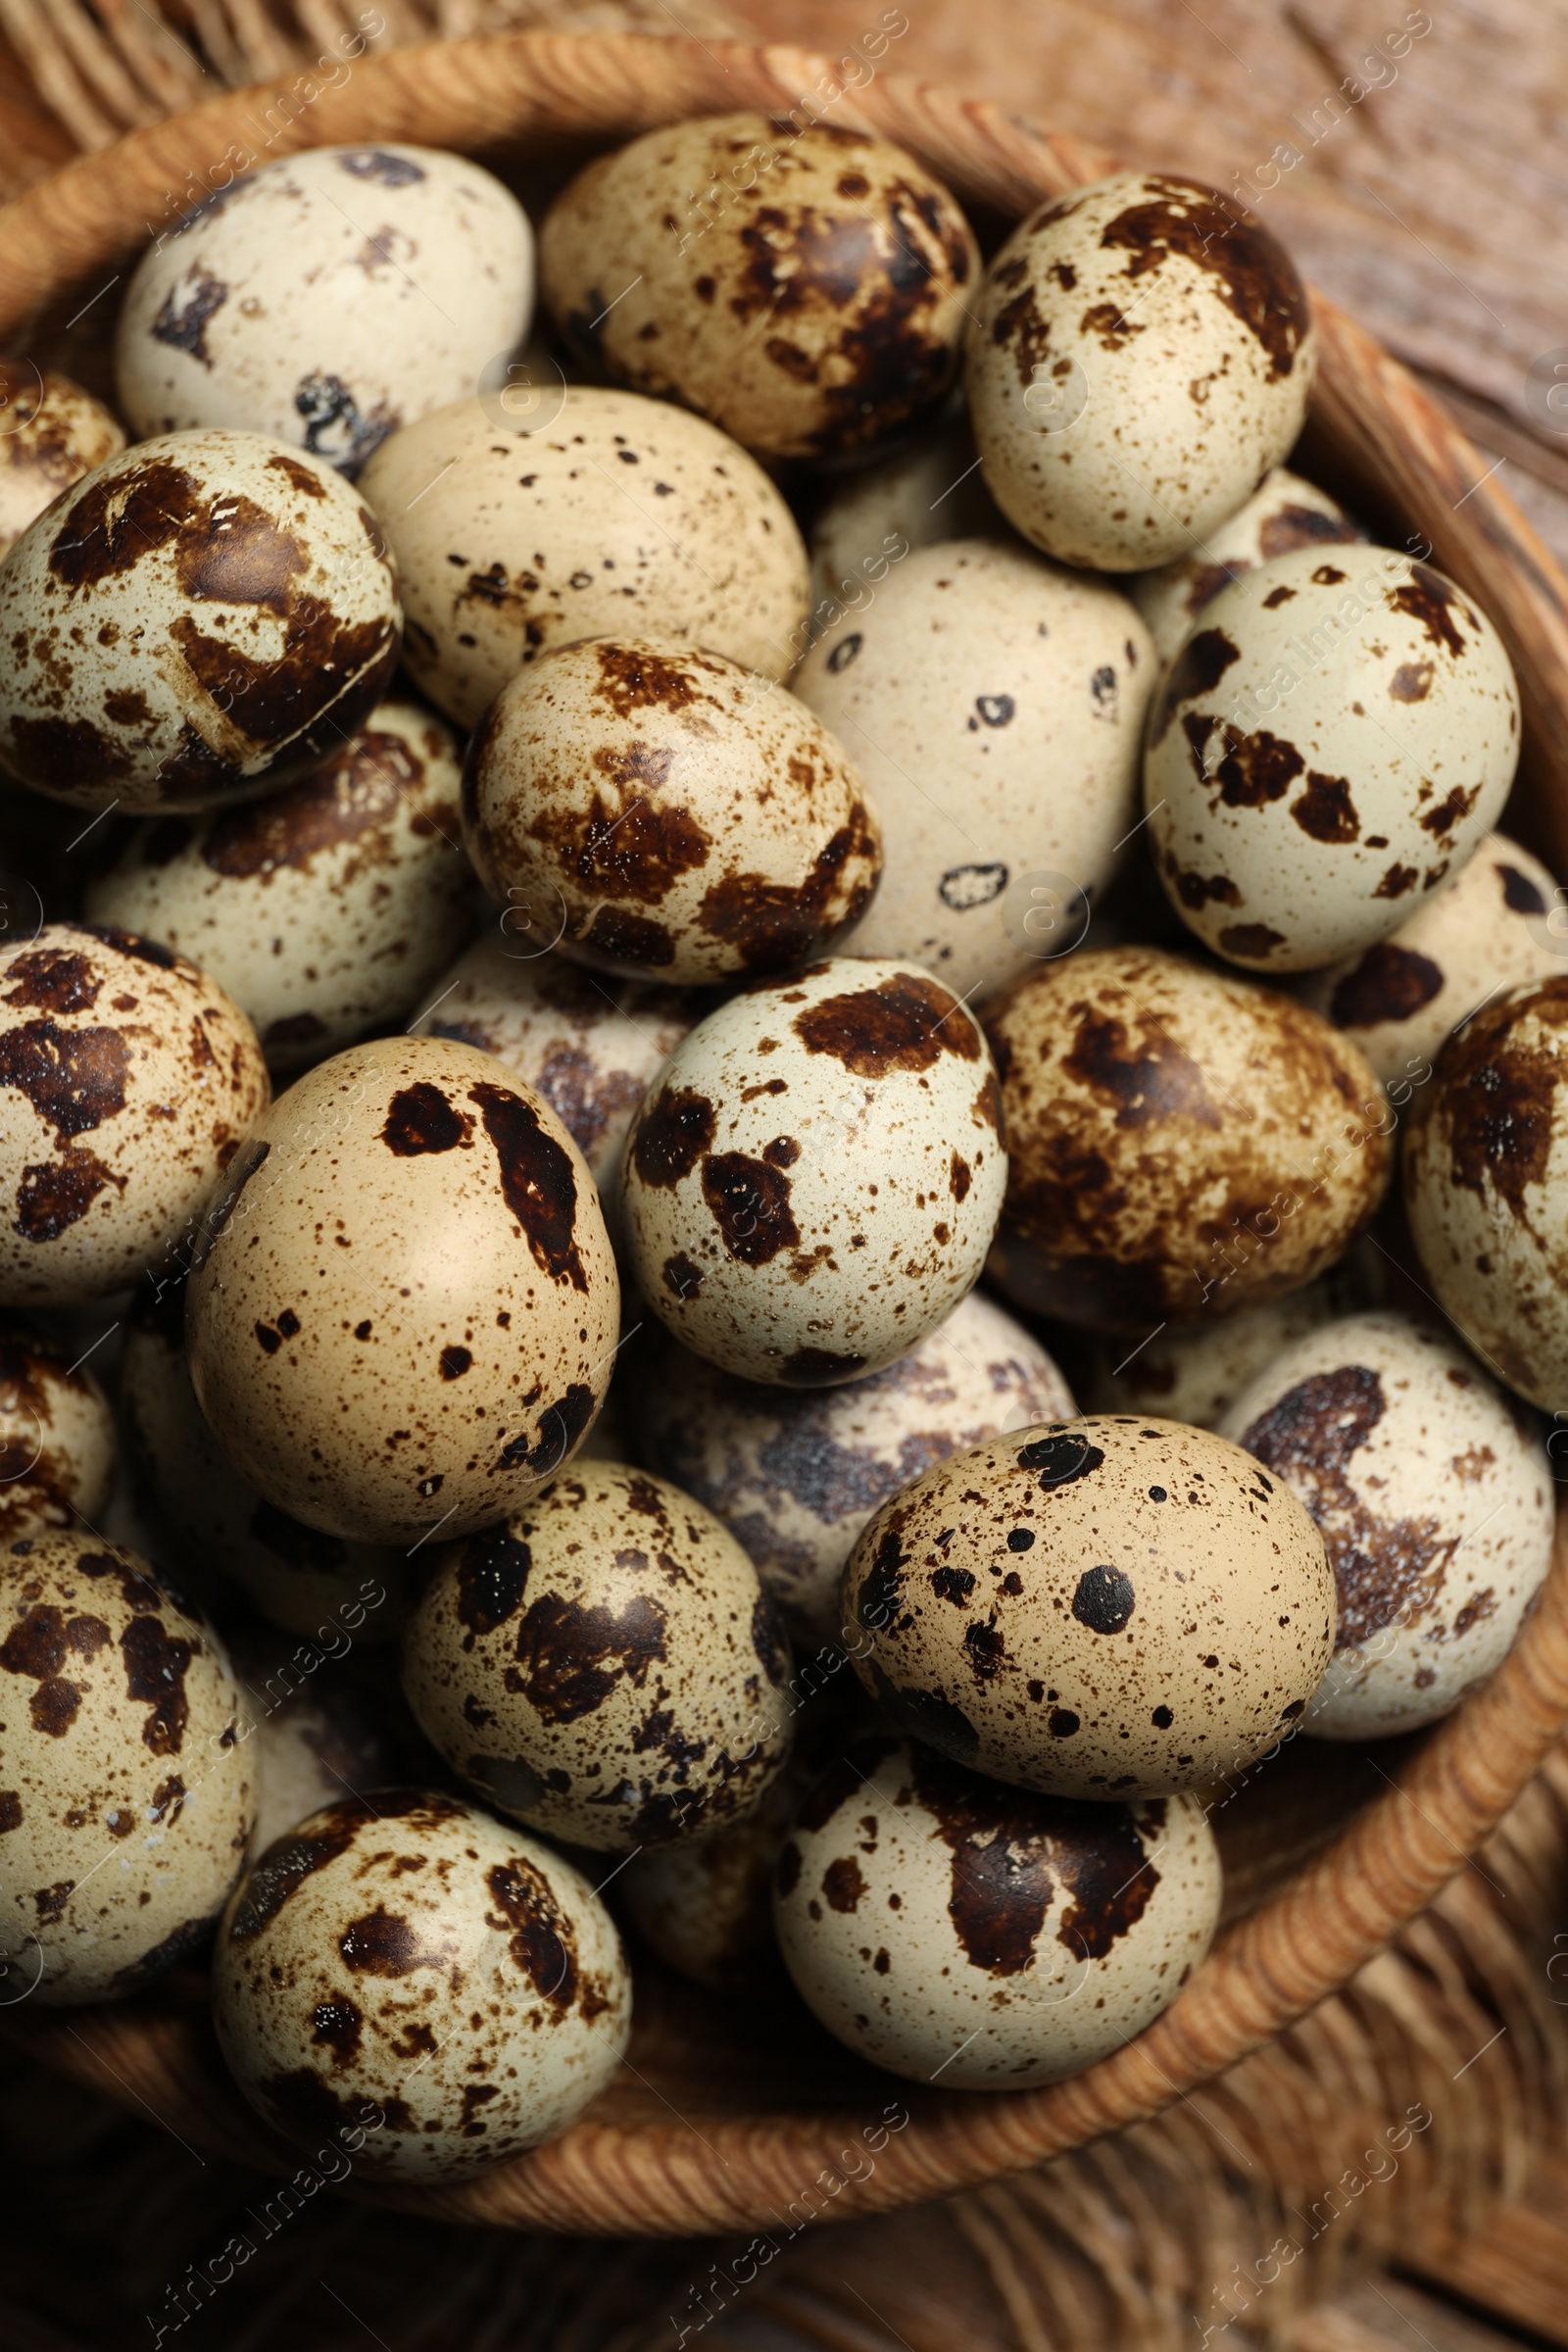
point(51, 433)
point(325, 909)
point(57, 1436)
point(424, 1983)
point(926, 489)
point(1191, 1372)
point(604, 1664)
point(1496, 925)
point(993, 703)
point(293, 1574)
point(809, 300)
point(406, 1312)
point(125, 1796)
point(127, 1080)
point(706, 1907)
point(795, 1474)
point(1435, 1497)
point(985, 1937)
point(203, 618)
point(615, 513)
point(1183, 1143)
point(694, 821)
point(814, 1184)
point(1338, 733)
point(328, 298)
point(1141, 356)
point(1285, 512)
point(1486, 1188)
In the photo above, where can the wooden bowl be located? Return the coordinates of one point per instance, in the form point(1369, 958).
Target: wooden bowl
point(745, 2116)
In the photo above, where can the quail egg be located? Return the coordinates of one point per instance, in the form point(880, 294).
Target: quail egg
point(203, 618)
point(321, 1728)
point(1286, 513)
point(51, 433)
point(810, 299)
point(815, 1182)
point(926, 489)
point(706, 1907)
point(616, 513)
point(1191, 1372)
point(1183, 1143)
point(993, 703)
point(126, 1799)
point(127, 1080)
point(1141, 356)
point(983, 1938)
point(1338, 732)
point(327, 299)
point(795, 1474)
point(693, 821)
point(57, 1436)
point(420, 1982)
point(325, 909)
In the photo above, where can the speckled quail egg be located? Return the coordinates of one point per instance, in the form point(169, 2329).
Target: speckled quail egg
point(320, 1728)
point(692, 820)
point(707, 1907)
point(328, 298)
point(325, 909)
point(1496, 925)
point(1338, 732)
point(1191, 1372)
point(1093, 1607)
point(604, 1665)
point(201, 620)
point(815, 1182)
point(795, 1474)
point(618, 514)
point(805, 286)
point(57, 1436)
point(1486, 1188)
point(51, 433)
point(984, 1938)
point(1141, 356)
point(406, 1312)
point(1182, 1144)
point(1285, 512)
point(293, 1574)
point(589, 1045)
point(419, 1982)
point(926, 489)
point(126, 1797)
point(993, 703)
point(128, 1079)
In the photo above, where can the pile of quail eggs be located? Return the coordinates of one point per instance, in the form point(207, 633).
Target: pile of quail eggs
point(629, 937)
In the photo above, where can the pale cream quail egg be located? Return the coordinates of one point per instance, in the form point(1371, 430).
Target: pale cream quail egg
point(927, 488)
point(616, 514)
point(420, 1983)
point(320, 1728)
point(51, 433)
point(1333, 741)
point(327, 909)
point(985, 1937)
point(125, 1796)
point(57, 1436)
point(1285, 512)
point(814, 1183)
point(1141, 356)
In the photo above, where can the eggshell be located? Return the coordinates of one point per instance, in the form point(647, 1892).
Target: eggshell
point(321, 1730)
point(57, 1436)
point(51, 433)
point(982, 1937)
point(1337, 734)
point(1497, 924)
point(1286, 511)
point(127, 1080)
point(925, 489)
point(995, 704)
point(604, 1665)
point(422, 1984)
point(795, 1476)
point(406, 1312)
point(1183, 1143)
point(810, 298)
point(707, 1907)
point(618, 514)
point(1435, 1498)
point(327, 299)
point(1141, 355)
point(1486, 1188)
point(325, 909)
point(814, 1184)
point(126, 1797)
point(1192, 1372)
point(203, 618)
point(692, 820)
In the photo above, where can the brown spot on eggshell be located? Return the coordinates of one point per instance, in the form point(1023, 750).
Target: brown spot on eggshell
point(570, 1656)
point(1254, 275)
point(537, 1179)
point(1389, 982)
point(904, 1022)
